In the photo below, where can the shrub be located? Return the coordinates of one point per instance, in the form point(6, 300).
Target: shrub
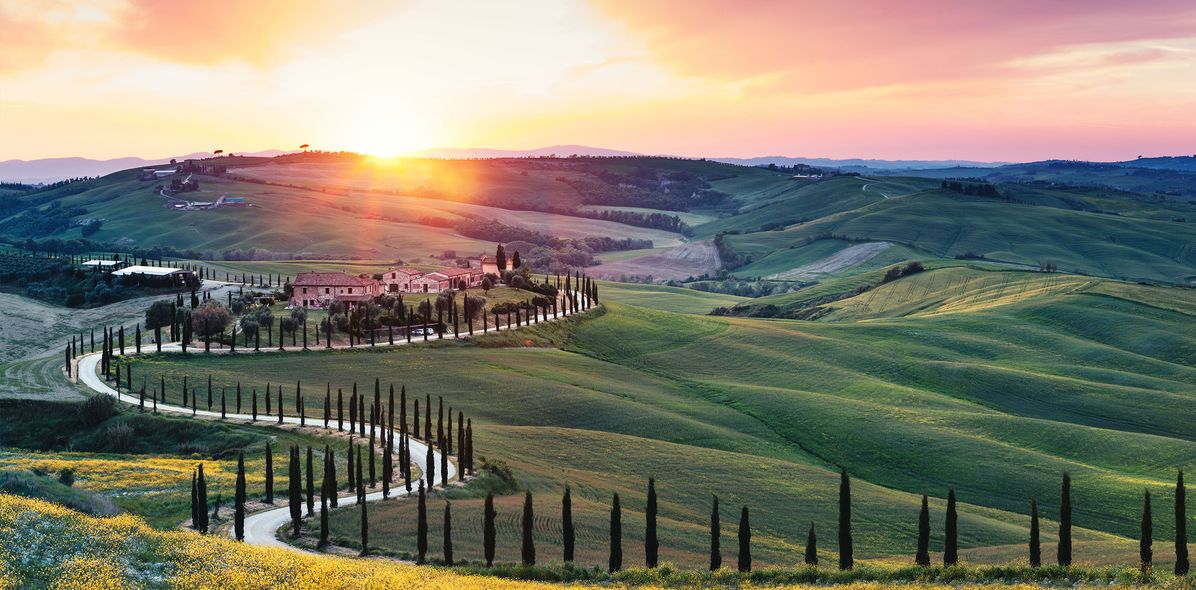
point(66, 477)
point(120, 438)
point(95, 410)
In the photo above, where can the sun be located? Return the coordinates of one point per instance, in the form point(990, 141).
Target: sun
point(386, 134)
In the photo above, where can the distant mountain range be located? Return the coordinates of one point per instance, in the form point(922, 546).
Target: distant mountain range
point(53, 169)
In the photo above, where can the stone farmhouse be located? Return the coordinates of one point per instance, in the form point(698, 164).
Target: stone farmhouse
point(319, 289)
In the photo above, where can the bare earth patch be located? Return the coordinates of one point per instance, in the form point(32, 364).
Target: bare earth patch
point(687, 260)
point(843, 259)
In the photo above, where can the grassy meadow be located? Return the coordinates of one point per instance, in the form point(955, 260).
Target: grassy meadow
point(1095, 380)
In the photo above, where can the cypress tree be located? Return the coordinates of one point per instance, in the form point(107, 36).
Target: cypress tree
point(443, 466)
point(421, 535)
point(388, 465)
point(365, 520)
point(280, 403)
point(745, 541)
point(238, 397)
point(428, 418)
point(460, 446)
point(266, 394)
point(440, 421)
point(846, 560)
point(951, 542)
point(651, 546)
point(567, 524)
point(469, 445)
point(528, 552)
point(330, 475)
point(488, 530)
point(716, 553)
point(239, 499)
point(1181, 527)
point(209, 393)
point(922, 558)
point(269, 475)
point(1035, 540)
point(254, 404)
point(1146, 538)
point(223, 413)
point(430, 461)
point(1065, 523)
point(448, 533)
point(361, 415)
point(811, 547)
point(327, 404)
point(201, 489)
point(295, 491)
point(615, 563)
point(311, 484)
point(340, 410)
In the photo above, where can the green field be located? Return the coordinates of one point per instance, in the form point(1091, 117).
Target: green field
point(996, 402)
point(946, 224)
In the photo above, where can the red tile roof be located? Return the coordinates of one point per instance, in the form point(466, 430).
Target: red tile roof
point(330, 279)
point(456, 272)
point(407, 270)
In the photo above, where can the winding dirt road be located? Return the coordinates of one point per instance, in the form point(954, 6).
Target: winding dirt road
point(261, 528)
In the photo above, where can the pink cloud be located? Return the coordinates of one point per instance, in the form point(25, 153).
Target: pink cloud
point(834, 45)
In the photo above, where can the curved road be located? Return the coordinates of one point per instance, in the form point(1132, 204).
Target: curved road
point(261, 528)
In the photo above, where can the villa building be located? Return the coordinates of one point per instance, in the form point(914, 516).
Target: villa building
point(319, 289)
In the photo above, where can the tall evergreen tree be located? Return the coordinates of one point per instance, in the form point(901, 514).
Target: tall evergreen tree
point(716, 533)
point(951, 541)
point(922, 557)
point(567, 524)
point(421, 534)
point(448, 533)
point(430, 461)
point(488, 529)
point(352, 474)
point(811, 557)
point(1035, 535)
point(651, 546)
point(1065, 523)
point(846, 558)
point(528, 552)
point(295, 491)
point(615, 563)
point(201, 490)
point(269, 475)
point(745, 541)
point(360, 480)
point(1146, 536)
point(328, 404)
point(1181, 527)
point(239, 499)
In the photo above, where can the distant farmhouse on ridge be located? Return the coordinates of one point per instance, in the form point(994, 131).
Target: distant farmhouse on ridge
point(320, 289)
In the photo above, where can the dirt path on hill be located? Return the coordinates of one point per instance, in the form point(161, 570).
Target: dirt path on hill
point(687, 260)
point(843, 259)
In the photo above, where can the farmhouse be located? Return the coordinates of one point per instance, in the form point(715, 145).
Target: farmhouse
point(319, 289)
point(158, 276)
point(102, 264)
point(399, 279)
point(489, 265)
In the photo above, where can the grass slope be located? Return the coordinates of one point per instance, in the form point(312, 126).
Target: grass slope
point(995, 402)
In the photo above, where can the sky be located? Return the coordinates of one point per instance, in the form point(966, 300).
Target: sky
point(1015, 80)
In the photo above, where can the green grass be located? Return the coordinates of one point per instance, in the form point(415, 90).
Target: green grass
point(35, 429)
point(675, 299)
point(946, 224)
point(995, 402)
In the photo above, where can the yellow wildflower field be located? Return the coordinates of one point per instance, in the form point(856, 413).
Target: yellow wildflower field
point(46, 545)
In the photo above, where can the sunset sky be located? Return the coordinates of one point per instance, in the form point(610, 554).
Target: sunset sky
point(1009, 80)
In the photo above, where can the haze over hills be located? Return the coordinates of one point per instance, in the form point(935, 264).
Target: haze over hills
point(45, 170)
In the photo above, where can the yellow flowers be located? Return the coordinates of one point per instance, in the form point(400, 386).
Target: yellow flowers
point(45, 545)
point(141, 475)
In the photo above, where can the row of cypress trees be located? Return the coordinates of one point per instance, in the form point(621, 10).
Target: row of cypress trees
point(810, 557)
